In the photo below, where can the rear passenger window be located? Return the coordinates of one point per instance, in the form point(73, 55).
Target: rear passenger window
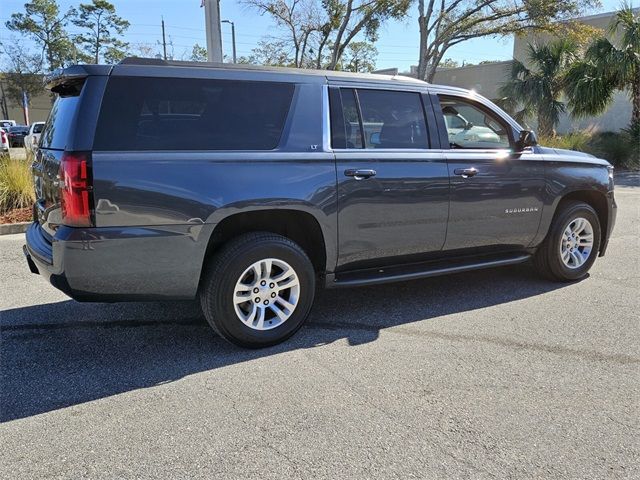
point(191, 114)
point(392, 119)
point(353, 134)
point(384, 119)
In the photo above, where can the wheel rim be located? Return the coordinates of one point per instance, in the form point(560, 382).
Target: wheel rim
point(266, 294)
point(576, 243)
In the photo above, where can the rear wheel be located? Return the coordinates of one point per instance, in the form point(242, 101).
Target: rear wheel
point(572, 243)
point(258, 290)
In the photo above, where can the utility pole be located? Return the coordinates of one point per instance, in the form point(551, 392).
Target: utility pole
point(233, 38)
point(164, 40)
point(212, 24)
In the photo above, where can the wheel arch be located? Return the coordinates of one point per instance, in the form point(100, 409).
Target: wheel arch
point(299, 225)
point(597, 200)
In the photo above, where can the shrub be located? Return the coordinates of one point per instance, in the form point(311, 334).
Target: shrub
point(617, 148)
point(16, 184)
point(572, 141)
point(622, 149)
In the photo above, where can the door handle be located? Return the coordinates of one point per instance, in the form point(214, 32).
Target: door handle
point(466, 172)
point(360, 174)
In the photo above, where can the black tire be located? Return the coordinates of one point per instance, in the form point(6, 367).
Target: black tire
point(225, 268)
point(547, 259)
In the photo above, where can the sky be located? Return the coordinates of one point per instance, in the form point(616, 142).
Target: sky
point(184, 22)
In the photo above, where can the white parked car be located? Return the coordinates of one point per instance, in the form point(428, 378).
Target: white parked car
point(33, 137)
point(6, 124)
point(4, 141)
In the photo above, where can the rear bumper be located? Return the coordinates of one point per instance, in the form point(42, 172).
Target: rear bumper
point(120, 264)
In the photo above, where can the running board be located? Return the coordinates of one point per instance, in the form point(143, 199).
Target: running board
point(395, 273)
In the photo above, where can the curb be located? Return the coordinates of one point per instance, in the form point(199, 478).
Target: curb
point(11, 228)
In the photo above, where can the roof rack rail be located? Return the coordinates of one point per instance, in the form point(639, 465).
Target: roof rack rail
point(391, 74)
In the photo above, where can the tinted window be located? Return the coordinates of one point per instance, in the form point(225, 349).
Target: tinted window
point(38, 128)
point(471, 126)
point(392, 119)
point(191, 114)
point(59, 123)
point(353, 134)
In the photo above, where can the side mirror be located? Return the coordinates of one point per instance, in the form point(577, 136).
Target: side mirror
point(527, 138)
point(374, 139)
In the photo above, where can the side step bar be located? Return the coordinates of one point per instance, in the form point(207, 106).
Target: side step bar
point(375, 276)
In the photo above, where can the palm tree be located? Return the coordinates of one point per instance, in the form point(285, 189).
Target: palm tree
point(606, 68)
point(539, 88)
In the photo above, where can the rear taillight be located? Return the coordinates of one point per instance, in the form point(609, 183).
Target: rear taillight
point(4, 137)
point(75, 189)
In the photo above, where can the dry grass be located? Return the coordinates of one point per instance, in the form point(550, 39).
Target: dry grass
point(16, 184)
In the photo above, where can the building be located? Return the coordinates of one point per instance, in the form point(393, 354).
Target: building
point(38, 109)
point(487, 78)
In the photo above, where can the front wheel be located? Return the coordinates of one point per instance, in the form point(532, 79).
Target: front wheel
point(258, 290)
point(572, 243)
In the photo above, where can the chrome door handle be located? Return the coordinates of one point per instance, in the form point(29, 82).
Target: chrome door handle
point(466, 172)
point(360, 174)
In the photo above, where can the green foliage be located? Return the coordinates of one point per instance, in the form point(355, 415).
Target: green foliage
point(16, 184)
point(271, 52)
point(446, 23)
point(608, 67)
point(198, 54)
point(449, 63)
point(622, 149)
point(359, 57)
point(102, 27)
point(45, 25)
point(538, 90)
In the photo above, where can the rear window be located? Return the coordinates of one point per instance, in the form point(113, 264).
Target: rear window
point(141, 113)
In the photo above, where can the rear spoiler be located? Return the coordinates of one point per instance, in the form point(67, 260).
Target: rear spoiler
point(73, 75)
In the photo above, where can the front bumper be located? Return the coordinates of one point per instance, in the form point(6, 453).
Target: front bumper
point(612, 213)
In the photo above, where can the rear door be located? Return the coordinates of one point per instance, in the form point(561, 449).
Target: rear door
point(496, 196)
point(393, 187)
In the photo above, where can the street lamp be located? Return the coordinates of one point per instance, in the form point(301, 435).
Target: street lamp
point(233, 37)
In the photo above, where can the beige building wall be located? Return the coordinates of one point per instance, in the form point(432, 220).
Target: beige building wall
point(485, 79)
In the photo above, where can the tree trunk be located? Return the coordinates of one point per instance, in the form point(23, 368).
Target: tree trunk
point(320, 48)
point(635, 94)
point(431, 72)
point(545, 126)
point(422, 58)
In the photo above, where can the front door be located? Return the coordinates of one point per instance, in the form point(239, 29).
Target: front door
point(393, 190)
point(496, 197)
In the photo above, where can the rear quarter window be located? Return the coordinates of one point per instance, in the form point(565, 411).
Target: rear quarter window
point(60, 122)
point(140, 113)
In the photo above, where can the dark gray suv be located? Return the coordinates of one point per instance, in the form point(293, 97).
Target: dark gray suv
point(244, 187)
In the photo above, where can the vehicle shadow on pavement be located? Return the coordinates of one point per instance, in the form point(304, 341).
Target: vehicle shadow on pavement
point(63, 354)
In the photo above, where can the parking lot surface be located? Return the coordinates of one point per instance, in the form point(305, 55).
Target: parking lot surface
point(490, 374)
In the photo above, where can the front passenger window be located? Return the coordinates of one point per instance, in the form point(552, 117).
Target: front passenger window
point(469, 126)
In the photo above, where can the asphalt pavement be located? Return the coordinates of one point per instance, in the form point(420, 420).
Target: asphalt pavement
point(490, 374)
